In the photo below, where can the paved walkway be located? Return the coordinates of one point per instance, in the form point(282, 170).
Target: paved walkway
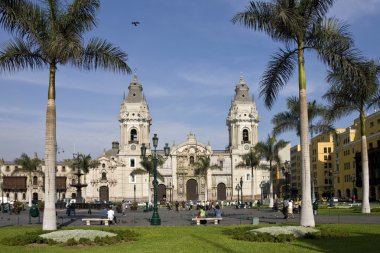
point(231, 216)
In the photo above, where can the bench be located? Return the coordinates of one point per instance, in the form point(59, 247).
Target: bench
point(216, 220)
point(88, 221)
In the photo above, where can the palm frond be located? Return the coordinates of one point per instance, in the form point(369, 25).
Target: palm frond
point(18, 55)
point(138, 171)
point(349, 92)
point(285, 121)
point(257, 16)
point(102, 54)
point(80, 16)
point(277, 74)
point(14, 16)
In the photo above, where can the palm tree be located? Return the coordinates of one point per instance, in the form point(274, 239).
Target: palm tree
point(350, 93)
point(29, 165)
point(50, 34)
point(202, 166)
point(251, 160)
point(82, 163)
point(270, 151)
point(147, 164)
point(302, 27)
point(85, 163)
point(290, 120)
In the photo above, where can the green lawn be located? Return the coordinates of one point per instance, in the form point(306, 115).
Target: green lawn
point(363, 238)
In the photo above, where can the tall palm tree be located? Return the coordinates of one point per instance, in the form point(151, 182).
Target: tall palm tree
point(202, 167)
point(252, 160)
point(350, 93)
point(290, 120)
point(147, 164)
point(29, 165)
point(270, 151)
point(49, 34)
point(301, 25)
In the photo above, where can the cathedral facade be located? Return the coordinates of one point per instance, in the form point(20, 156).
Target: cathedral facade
point(117, 179)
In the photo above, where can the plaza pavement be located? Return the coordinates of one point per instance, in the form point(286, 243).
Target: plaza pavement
point(231, 216)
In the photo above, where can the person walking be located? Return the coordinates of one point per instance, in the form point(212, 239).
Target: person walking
point(111, 215)
point(290, 209)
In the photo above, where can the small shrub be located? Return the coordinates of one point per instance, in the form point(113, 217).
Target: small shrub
point(243, 234)
point(326, 233)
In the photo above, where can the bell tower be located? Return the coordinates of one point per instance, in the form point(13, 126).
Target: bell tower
point(135, 120)
point(242, 120)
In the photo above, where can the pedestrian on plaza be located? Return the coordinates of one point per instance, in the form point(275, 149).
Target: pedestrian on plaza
point(111, 215)
point(202, 214)
point(258, 205)
point(68, 210)
point(290, 209)
point(72, 208)
point(177, 206)
point(285, 205)
point(123, 207)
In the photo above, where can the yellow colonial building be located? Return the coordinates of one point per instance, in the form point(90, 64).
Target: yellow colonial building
point(335, 160)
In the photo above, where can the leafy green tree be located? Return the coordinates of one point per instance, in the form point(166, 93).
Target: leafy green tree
point(251, 160)
point(301, 25)
point(202, 166)
point(270, 151)
point(30, 165)
point(48, 34)
point(356, 93)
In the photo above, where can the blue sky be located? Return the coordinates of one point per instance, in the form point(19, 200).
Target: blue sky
point(188, 56)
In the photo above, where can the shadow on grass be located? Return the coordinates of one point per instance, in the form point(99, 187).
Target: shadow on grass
point(356, 242)
point(220, 246)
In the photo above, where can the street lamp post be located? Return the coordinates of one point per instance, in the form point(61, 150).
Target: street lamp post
point(156, 220)
point(237, 188)
point(241, 192)
point(134, 193)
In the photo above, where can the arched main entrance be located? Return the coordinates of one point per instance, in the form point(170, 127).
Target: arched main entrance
point(35, 196)
point(103, 193)
point(221, 191)
point(192, 189)
point(161, 193)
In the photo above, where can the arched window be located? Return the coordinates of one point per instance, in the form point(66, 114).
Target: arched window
point(191, 160)
point(245, 136)
point(248, 176)
point(35, 180)
point(104, 176)
point(23, 196)
point(134, 138)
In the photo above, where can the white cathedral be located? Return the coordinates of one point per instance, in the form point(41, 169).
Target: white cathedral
point(113, 180)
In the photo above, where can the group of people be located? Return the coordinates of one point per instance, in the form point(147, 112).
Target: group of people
point(288, 208)
point(216, 212)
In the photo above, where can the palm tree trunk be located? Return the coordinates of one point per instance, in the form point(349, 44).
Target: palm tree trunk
point(365, 203)
point(271, 202)
point(307, 217)
point(50, 219)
